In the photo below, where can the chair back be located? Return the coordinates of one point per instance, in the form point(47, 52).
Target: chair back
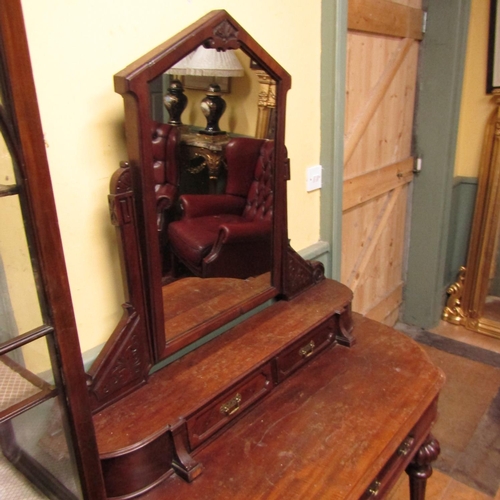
point(249, 175)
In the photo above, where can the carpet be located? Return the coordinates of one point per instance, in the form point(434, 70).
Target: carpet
point(468, 427)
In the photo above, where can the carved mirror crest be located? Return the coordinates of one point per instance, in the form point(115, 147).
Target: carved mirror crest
point(200, 205)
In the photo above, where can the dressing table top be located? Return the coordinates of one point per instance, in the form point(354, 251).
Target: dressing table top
point(328, 430)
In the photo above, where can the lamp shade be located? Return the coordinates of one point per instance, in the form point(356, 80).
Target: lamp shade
point(208, 62)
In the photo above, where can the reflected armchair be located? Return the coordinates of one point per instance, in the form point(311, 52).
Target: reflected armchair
point(229, 235)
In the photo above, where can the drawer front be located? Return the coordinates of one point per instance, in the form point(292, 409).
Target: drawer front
point(395, 466)
point(392, 470)
point(305, 348)
point(211, 418)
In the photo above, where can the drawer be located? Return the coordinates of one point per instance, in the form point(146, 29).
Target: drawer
point(225, 408)
point(305, 349)
point(398, 462)
point(392, 470)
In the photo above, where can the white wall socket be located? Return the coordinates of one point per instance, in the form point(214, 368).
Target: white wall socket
point(314, 178)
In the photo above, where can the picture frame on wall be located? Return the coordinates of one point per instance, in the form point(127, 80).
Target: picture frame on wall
point(493, 69)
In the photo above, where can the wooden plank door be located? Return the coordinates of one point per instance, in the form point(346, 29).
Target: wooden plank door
point(382, 56)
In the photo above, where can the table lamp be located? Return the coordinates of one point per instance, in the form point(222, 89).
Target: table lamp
point(209, 62)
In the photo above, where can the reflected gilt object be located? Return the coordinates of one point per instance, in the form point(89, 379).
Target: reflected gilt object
point(267, 105)
point(453, 310)
point(474, 300)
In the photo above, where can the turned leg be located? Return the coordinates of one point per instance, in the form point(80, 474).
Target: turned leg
point(420, 467)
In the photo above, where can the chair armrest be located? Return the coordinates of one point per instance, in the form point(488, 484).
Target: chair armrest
point(165, 198)
point(165, 195)
point(245, 232)
point(199, 205)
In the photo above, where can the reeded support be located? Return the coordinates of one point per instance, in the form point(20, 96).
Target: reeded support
point(420, 468)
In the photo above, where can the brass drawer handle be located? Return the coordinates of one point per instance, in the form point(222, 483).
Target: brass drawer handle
point(405, 447)
point(307, 350)
point(232, 406)
point(374, 488)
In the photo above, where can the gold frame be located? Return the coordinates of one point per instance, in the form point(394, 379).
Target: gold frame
point(467, 297)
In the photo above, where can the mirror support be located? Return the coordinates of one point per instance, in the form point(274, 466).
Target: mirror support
point(139, 340)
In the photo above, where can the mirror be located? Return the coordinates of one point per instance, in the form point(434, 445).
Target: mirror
point(208, 190)
point(215, 246)
point(200, 206)
point(474, 300)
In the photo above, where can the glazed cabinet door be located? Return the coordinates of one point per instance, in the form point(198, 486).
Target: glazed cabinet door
point(44, 415)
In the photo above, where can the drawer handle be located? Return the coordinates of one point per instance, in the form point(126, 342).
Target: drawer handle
point(232, 406)
point(405, 447)
point(307, 350)
point(374, 488)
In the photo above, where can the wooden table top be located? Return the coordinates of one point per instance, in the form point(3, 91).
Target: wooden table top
point(326, 431)
point(174, 391)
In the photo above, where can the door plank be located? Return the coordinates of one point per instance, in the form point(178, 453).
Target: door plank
point(364, 257)
point(360, 124)
point(384, 17)
point(387, 305)
point(365, 187)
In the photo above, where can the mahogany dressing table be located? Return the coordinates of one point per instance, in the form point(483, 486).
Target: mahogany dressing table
point(291, 401)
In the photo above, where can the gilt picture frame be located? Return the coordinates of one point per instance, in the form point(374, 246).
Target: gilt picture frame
point(493, 67)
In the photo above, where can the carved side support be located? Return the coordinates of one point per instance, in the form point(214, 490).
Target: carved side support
point(183, 463)
point(300, 274)
point(344, 335)
point(125, 360)
point(420, 468)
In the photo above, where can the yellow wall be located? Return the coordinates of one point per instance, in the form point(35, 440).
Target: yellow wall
point(476, 104)
point(76, 46)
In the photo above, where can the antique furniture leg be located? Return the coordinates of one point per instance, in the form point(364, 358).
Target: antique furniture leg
point(420, 468)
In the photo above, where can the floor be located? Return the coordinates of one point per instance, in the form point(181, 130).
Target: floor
point(469, 423)
point(468, 427)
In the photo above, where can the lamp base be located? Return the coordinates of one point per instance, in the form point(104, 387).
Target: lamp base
point(175, 101)
point(213, 107)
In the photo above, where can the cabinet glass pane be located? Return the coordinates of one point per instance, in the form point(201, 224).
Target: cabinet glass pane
point(25, 373)
point(19, 305)
point(37, 443)
point(7, 177)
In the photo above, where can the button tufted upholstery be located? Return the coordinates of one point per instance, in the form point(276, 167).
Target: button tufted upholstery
point(165, 140)
point(229, 235)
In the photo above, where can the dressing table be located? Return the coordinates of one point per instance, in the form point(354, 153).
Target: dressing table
point(198, 387)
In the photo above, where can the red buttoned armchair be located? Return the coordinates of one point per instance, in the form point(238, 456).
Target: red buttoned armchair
point(229, 235)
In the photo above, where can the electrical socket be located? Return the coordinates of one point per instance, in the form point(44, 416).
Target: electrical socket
point(314, 178)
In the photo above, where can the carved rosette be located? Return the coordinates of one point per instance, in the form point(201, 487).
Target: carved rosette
point(225, 36)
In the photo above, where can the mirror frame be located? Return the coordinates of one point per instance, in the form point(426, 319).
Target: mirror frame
point(467, 297)
point(138, 342)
